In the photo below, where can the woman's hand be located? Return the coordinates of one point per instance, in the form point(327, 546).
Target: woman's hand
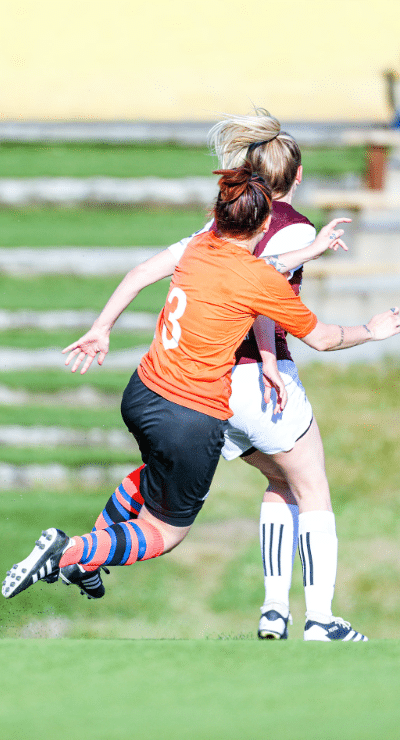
point(273, 379)
point(94, 342)
point(384, 325)
point(330, 238)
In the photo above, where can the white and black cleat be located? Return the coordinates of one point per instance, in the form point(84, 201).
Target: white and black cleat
point(273, 626)
point(41, 564)
point(337, 629)
point(89, 582)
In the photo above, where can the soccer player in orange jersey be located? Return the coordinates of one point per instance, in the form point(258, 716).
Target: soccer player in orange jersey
point(177, 403)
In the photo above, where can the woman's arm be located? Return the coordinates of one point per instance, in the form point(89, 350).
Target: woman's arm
point(97, 339)
point(329, 337)
point(328, 238)
point(264, 332)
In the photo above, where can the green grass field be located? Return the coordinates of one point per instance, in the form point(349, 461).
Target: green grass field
point(212, 584)
point(171, 651)
point(199, 690)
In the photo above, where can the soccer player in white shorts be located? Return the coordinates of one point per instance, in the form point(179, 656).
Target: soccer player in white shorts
point(296, 506)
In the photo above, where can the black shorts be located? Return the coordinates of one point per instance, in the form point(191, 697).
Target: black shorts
point(181, 449)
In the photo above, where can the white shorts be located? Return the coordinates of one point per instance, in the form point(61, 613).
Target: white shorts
point(254, 424)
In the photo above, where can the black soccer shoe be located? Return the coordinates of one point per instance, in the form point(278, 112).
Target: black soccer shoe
point(273, 626)
point(40, 564)
point(89, 582)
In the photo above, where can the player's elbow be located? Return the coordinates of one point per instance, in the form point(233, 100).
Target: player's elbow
point(322, 337)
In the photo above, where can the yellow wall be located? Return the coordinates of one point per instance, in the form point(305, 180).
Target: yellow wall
point(131, 59)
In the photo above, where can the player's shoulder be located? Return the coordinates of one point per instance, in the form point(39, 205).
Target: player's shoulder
point(261, 272)
point(289, 230)
point(283, 214)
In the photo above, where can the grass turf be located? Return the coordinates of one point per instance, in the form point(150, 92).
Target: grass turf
point(58, 339)
point(100, 227)
point(68, 292)
point(47, 381)
point(147, 160)
point(193, 690)
point(106, 227)
point(69, 416)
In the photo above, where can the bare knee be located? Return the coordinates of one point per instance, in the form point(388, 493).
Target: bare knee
point(172, 536)
point(278, 490)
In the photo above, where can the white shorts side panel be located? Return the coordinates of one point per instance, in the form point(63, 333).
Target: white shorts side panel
point(253, 423)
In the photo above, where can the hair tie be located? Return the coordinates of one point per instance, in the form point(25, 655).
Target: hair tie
point(256, 144)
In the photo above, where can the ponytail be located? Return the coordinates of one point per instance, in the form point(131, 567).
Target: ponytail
point(243, 203)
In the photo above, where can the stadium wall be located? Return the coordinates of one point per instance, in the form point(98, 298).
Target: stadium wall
point(129, 60)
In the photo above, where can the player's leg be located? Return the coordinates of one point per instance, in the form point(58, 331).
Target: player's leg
point(304, 470)
point(125, 543)
point(254, 432)
point(121, 544)
point(278, 541)
point(124, 504)
point(181, 448)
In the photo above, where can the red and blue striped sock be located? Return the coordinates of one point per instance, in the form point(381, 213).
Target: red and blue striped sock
point(120, 544)
point(124, 504)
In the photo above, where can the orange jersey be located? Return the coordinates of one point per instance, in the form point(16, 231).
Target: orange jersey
point(217, 290)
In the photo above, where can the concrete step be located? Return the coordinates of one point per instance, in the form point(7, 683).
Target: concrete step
point(20, 359)
point(53, 320)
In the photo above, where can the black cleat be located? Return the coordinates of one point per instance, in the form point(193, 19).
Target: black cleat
point(89, 581)
point(41, 564)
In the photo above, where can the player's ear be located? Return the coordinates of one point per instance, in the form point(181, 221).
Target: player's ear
point(266, 224)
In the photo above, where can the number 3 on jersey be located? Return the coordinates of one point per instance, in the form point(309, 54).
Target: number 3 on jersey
point(173, 317)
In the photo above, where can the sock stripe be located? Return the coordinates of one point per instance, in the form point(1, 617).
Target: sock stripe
point(85, 548)
point(120, 544)
point(263, 550)
point(271, 539)
point(310, 559)
point(116, 512)
point(100, 523)
point(302, 558)
point(89, 548)
point(128, 545)
point(107, 518)
point(113, 538)
point(280, 549)
point(306, 561)
point(133, 503)
point(274, 550)
point(141, 541)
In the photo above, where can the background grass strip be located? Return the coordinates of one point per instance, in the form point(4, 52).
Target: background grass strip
point(147, 160)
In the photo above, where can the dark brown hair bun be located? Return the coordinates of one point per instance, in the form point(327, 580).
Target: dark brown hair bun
point(243, 203)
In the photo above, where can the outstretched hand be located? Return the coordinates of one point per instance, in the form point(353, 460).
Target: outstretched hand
point(384, 325)
point(330, 238)
point(94, 342)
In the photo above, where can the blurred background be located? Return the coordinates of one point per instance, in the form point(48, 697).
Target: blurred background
point(105, 110)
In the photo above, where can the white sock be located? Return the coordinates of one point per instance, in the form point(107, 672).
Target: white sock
point(318, 553)
point(278, 540)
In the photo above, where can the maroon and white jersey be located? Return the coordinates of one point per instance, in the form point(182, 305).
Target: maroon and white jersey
point(288, 232)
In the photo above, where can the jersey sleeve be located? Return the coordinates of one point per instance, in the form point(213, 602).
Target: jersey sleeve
point(290, 239)
point(178, 248)
point(277, 300)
